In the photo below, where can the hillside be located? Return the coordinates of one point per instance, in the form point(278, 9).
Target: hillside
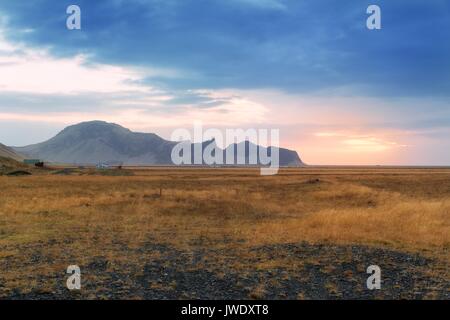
point(97, 141)
point(7, 152)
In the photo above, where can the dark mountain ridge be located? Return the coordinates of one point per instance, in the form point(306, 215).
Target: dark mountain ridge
point(101, 142)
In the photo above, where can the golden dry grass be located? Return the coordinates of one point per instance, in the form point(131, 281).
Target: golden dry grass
point(407, 209)
point(82, 216)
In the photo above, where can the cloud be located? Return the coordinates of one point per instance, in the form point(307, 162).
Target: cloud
point(38, 87)
point(265, 4)
point(236, 112)
point(35, 71)
point(302, 66)
point(359, 143)
point(39, 73)
point(308, 47)
point(34, 80)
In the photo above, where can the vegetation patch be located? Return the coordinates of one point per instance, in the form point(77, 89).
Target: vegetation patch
point(17, 173)
point(169, 233)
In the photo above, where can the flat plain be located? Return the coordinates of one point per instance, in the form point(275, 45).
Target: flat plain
point(226, 233)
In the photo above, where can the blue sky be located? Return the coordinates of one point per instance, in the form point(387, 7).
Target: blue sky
point(339, 93)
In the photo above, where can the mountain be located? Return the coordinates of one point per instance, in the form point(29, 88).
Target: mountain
point(286, 157)
point(98, 141)
point(101, 142)
point(7, 152)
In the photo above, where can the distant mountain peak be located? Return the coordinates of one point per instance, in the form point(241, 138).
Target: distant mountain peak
point(98, 141)
point(96, 125)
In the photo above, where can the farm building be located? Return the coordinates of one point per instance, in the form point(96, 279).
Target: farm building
point(31, 161)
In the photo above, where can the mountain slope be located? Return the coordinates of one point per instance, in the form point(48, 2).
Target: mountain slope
point(97, 141)
point(7, 152)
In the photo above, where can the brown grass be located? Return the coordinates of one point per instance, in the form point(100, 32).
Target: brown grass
point(78, 217)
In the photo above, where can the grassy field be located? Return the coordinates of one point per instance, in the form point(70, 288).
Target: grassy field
point(155, 233)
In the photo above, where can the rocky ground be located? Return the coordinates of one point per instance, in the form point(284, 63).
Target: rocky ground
point(308, 272)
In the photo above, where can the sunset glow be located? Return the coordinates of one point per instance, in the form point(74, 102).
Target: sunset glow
point(326, 108)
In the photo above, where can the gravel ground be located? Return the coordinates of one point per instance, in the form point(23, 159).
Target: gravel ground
point(310, 272)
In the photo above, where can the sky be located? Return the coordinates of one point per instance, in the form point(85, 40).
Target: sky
point(338, 92)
